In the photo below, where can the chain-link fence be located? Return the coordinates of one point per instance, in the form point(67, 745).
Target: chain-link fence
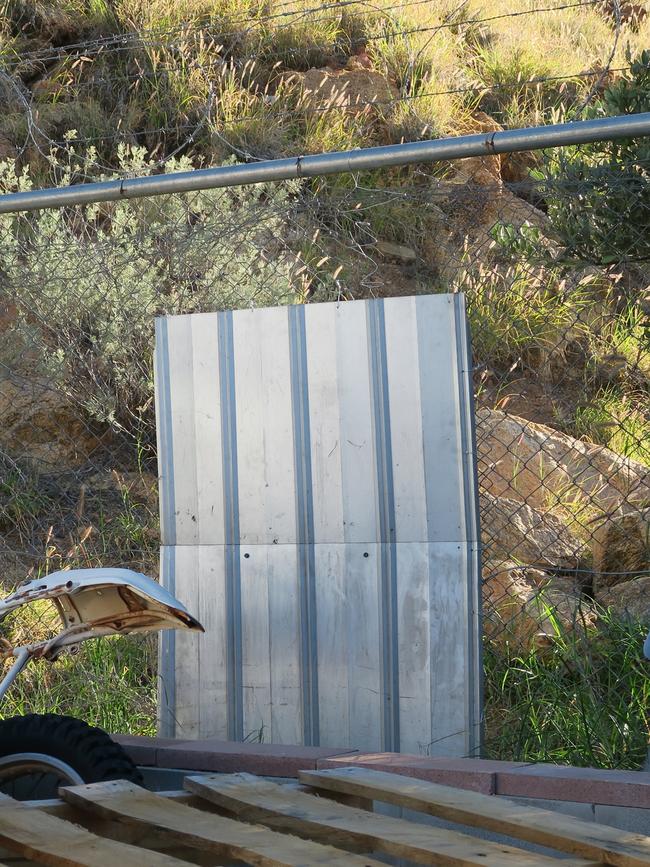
point(551, 250)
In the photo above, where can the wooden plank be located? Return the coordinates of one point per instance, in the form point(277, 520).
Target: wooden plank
point(55, 842)
point(285, 809)
point(534, 825)
point(205, 831)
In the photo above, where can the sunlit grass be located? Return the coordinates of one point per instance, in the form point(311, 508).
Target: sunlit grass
point(423, 48)
point(110, 682)
point(617, 421)
point(581, 702)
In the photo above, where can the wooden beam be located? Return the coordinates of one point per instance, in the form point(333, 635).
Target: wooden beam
point(285, 809)
point(183, 825)
point(58, 843)
point(555, 830)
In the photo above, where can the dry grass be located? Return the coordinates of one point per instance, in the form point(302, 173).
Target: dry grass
point(195, 50)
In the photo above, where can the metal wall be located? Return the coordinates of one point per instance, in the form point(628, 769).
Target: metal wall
point(318, 510)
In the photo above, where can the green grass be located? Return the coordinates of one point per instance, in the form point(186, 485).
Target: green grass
point(22, 500)
point(615, 421)
point(582, 702)
point(164, 82)
point(517, 313)
point(110, 683)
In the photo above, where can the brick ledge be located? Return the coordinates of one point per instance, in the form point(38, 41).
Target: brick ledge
point(515, 779)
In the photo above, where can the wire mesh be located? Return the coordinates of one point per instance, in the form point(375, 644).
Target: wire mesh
point(551, 250)
point(561, 365)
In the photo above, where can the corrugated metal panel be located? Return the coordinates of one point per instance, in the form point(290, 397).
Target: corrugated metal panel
point(318, 514)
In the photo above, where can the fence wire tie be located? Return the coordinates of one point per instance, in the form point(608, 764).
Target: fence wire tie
point(299, 166)
point(489, 143)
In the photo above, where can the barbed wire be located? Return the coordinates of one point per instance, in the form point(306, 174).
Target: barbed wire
point(34, 130)
point(361, 104)
point(560, 366)
point(35, 133)
point(139, 39)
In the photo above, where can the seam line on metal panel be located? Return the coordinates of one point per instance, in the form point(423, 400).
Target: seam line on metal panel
point(386, 508)
point(471, 508)
point(234, 679)
point(305, 524)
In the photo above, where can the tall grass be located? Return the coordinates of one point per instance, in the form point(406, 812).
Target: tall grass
point(110, 683)
point(582, 702)
point(165, 82)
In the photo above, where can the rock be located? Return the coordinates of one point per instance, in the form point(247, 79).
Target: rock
point(537, 465)
point(8, 312)
point(629, 601)
point(515, 169)
point(464, 208)
point(360, 59)
point(396, 251)
point(621, 549)
point(513, 530)
point(632, 14)
point(462, 214)
point(39, 425)
point(352, 89)
point(524, 607)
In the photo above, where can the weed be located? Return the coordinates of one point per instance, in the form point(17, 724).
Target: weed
point(517, 314)
point(22, 500)
point(109, 683)
point(612, 420)
point(581, 702)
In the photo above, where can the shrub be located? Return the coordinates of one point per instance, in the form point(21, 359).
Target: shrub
point(88, 281)
point(598, 195)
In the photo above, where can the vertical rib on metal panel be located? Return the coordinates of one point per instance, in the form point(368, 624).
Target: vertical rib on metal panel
point(166, 444)
point(388, 638)
point(470, 489)
point(304, 524)
point(167, 674)
point(231, 521)
point(167, 684)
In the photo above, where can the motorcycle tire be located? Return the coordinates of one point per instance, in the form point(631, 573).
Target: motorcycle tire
point(41, 752)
